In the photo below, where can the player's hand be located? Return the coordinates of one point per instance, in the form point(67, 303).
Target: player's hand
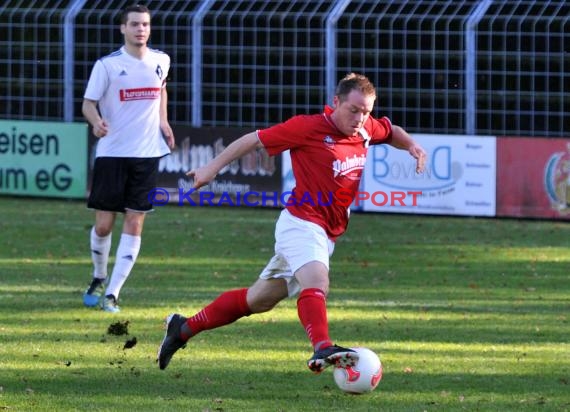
point(420, 155)
point(168, 135)
point(100, 129)
point(170, 142)
point(202, 176)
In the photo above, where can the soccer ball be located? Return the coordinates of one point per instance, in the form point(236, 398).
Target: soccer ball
point(362, 377)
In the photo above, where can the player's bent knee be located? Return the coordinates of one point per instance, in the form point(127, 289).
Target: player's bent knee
point(264, 294)
point(260, 306)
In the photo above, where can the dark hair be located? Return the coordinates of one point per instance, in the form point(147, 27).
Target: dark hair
point(354, 81)
point(135, 8)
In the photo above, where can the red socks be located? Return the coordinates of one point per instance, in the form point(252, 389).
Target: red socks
point(312, 310)
point(225, 309)
point(232, 305)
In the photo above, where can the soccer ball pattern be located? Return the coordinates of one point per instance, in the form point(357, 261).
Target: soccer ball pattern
point(362, 377)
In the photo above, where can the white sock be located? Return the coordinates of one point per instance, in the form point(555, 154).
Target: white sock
point(127, 253)
point(100, 248)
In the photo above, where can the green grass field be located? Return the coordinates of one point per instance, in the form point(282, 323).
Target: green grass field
point(466, 314)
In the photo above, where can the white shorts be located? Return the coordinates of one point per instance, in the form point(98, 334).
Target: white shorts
point(297, 242)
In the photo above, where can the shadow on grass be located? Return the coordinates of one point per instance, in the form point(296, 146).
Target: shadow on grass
point(240, 383)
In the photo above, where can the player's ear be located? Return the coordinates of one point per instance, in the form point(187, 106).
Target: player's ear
point(335, 101)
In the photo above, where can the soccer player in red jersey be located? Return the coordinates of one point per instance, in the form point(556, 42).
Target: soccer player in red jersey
point(328, 152)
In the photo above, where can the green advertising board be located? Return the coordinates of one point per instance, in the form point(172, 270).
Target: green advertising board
point(43, 159)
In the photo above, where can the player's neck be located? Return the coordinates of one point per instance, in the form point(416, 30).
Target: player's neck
point(332, 120)
point(138, 52)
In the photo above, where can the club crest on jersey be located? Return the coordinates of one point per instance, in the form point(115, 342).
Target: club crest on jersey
point(158, 71)
point(329, 142)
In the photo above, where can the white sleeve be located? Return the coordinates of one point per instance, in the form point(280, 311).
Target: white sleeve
point(98, 82)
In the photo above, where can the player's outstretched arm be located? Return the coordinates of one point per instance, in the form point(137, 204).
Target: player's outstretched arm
point(238, 148)
point(402, 140)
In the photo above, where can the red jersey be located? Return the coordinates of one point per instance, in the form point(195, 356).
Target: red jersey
point(325, 164)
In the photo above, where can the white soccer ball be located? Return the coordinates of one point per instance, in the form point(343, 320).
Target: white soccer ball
point(362, 377)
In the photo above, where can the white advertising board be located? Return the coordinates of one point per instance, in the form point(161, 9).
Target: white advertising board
point(460, 177)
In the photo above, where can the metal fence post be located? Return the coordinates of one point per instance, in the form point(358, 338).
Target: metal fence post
point(69, 58)
point(332, 19)
point(471, 65)
point(197, 62)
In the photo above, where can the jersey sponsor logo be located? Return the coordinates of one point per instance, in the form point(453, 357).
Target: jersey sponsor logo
point(349, 166)
point(144, 93)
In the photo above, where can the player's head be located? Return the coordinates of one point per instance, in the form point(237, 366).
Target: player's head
point(354, 81)
point(353, 101)
point(135, 25)
point(135, 8)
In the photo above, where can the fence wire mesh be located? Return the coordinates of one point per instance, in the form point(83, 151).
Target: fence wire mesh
point(255, 63)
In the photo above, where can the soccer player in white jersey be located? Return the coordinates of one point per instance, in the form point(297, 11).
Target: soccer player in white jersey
point(126, 104)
